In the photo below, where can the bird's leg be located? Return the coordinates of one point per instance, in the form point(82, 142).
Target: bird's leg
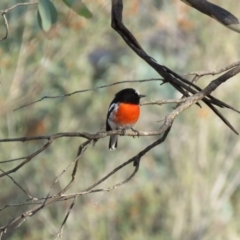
point(123, 130)
point(136, 131)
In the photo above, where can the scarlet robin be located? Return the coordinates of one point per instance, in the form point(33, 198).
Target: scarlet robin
point(123, 112)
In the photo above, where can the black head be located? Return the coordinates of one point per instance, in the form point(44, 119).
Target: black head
point(128, 95)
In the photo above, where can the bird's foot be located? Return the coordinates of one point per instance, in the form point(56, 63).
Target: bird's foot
point(136, 131)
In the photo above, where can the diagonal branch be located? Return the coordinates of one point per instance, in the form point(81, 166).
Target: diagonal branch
point(28, 159)
point(213, 72)
point(220, 14)
point(20, 187)
point(59, 197)
point(135, 160)
point(165, 128)
point(179, 83)
point(59, 234)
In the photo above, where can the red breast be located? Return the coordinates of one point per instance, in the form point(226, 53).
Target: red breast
point(127, 113)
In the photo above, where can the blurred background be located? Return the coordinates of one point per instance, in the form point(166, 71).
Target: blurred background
point(187, 188)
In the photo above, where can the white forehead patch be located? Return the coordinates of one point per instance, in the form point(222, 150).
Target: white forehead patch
point(137, 92)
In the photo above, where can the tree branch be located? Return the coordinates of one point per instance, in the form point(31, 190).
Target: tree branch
point(179, 83)
point(87, 90)
point(200, 74)
point(4, 12)
point(220, 14)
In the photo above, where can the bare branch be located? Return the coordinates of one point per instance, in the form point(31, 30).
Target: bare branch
point(167, 124)
point(135, 160)
point(19, 5)
point(214, 72)
point(81, 150)
point(29, 158)
point(192, 95)
point(20, 205)
point(220, 14)
point(87, 90)
point(88, 136)
point(59, 235)
point(161, 102)
point(6, 25)
point(179, 83)
point(21, 188)
point(165, 128)
point(4, 12)
point(13, 160)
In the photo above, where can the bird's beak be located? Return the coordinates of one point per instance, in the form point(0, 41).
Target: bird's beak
point(141, 96)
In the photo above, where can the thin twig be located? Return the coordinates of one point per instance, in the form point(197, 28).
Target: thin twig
point(59, 235)
point(135, 160)
point(33, 211)
point(87, 90)
point(22, 189)
point(20, 205)
point(178, 82)
point(19, 5)
point(6, 25)
point(161, 102)
point(13, 160)
point(169, 76)
point(4, 12)
point(166, 125)
point(83, 148)
point(213, 72)
point(30, 157)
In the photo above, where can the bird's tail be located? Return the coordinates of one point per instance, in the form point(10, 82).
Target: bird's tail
point(113, 142)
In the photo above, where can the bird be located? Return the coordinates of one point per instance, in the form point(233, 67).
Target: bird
point(123, 112)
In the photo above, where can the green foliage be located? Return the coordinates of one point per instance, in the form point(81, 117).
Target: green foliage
point(46, 14)
point(79, 7)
